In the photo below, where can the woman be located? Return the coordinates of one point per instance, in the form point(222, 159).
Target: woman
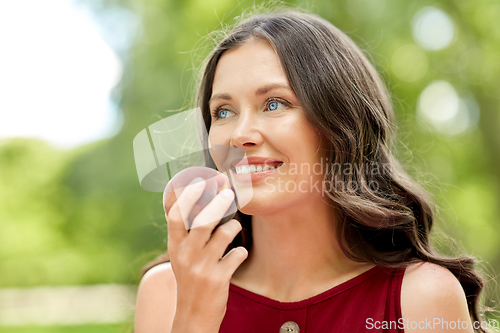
point(352, 254)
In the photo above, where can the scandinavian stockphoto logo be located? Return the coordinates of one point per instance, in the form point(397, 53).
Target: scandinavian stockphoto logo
point(430, 324)
point(168, 146)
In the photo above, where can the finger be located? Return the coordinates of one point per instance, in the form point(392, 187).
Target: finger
point(215, 210)
point(222, 182)
point(233, 259)
point(178, 214)
point(209, 217)
point(222, 237)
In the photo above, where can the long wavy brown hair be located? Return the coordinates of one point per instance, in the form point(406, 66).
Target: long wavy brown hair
point(344, 97)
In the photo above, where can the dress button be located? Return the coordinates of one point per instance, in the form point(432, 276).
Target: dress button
point(290, 326)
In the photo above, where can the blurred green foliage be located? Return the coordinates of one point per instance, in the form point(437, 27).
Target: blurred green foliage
point(80, 216)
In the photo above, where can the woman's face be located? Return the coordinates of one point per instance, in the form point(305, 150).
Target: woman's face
point(259, 113)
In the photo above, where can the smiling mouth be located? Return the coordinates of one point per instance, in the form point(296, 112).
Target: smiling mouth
point(254, 168)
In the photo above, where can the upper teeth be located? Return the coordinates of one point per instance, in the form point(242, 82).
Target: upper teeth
point(243, 169)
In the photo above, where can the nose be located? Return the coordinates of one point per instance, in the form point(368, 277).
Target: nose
point(247, 132)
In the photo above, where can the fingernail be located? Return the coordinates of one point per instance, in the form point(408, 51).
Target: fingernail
point(228, 193)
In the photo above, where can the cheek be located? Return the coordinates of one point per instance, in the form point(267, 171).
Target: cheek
point(211, 145)
point(219, 135)
point(215, 139)
point(311, 139)
point(306, 145)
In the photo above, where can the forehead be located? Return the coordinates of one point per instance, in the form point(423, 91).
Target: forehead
point(248, 66)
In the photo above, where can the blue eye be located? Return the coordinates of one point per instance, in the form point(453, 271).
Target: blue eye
point(273, 106)
point(220, 113)
point(223, 114)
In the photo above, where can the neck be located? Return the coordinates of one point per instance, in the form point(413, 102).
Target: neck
point(295, 250)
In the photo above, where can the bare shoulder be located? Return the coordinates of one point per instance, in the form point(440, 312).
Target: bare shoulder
point(159, 274)
point(430, 278)
point(431, 293)
point(156, 300)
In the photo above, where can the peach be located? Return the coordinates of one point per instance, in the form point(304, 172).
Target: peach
point(215, 183)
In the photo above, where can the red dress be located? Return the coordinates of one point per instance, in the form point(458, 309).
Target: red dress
point(369, 302)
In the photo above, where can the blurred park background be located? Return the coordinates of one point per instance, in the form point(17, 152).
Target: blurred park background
point(79, 79)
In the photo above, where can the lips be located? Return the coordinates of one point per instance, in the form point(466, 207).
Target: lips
point(253, 168)
point(248, 160)
point(253, 177)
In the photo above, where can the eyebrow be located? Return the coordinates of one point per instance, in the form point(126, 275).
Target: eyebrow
point(261, 91)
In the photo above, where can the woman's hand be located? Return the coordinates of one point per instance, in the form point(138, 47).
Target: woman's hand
point(201, 274)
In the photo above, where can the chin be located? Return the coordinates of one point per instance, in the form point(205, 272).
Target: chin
point(265, 206)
